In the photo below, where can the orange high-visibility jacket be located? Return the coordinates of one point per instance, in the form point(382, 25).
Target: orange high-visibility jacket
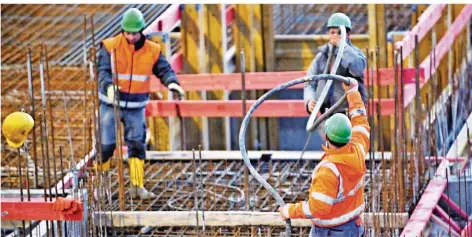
point(337, 187)
point(133, 68)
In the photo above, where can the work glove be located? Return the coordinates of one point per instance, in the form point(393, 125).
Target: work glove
point(111, 93)
point(67, 206)
point(310, 105)
point(353, 85)
point(176, 88)
point(283, 210)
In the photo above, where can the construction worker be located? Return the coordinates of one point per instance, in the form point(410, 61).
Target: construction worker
point(353, 64)
point(336, 197)
point(16, 128)
point(134, 60)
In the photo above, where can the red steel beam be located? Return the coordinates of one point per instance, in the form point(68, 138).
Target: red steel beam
point(454, 206)
point(229, 15)
point(232, 108)
point(36, 209)
point(441, 49)
point(439, 158)
point(261, 80)
point(424, 209)
point(447, 40)
point(443, 214)
point(176, 62)
point(426, 21)
point(165, 21)
point(387, 76)
point(443, 224)
point(467, 231)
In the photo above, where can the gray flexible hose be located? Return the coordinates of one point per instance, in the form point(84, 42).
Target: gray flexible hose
point(310, 124)
point(318, 122)
point(245, 123)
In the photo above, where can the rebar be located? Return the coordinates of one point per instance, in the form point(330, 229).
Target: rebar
point(29, 67)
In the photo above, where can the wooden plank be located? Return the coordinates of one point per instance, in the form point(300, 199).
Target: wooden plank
point(215, 48)
point(296, 52)
point(232, 108)
point(377, 33)
point(222, 81)
point(268, 36)
point(14, 225)
point(159, 127)
point(15, 193)
point(191, 49)
point(224, 218)
point(242, 36)
point(253, 155)
point(425, 44)
point(265, 80)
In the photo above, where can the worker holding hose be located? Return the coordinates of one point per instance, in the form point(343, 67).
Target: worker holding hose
point(336, 196)
point(135, 60)
point(353, 64)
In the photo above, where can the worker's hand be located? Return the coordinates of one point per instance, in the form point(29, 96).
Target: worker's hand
point(283, 210)
point(176, 88)
point(66, 205)
point(111, 93)
point(335, 39)
point(353, 85)
point(159, 95)
point(311, 105)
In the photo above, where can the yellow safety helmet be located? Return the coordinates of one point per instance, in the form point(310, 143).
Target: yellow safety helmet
point(16, 128)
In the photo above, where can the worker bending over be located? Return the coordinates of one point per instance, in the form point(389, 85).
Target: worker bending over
point(336, 196)
point(135, 61)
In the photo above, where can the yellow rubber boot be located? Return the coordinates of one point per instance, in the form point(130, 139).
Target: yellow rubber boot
point(105, 166)
point(136, 173)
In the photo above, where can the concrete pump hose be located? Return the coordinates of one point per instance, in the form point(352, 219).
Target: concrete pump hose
point(245, 123)
point(310, 125)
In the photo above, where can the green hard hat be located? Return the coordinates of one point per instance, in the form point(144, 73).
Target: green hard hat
point(338, 128)
point(133, 20)
point(339, 19)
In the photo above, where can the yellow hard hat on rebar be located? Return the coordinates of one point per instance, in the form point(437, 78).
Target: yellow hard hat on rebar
point(16, 128)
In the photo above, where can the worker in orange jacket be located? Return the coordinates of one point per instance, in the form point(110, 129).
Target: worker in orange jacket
point(126, 63)
point(336, 198)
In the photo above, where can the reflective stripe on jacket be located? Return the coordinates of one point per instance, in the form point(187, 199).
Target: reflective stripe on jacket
point(337, 186)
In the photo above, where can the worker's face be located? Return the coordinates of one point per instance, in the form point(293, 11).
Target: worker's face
point(132, 37)
point(334, 35)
